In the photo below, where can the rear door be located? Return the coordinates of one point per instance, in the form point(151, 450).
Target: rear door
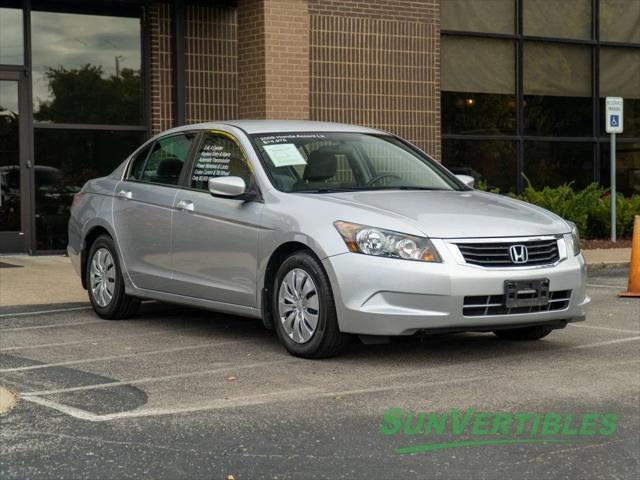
point(215, 240)
point(142, 208)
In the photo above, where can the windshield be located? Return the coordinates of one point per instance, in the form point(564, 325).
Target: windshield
point(329, 162)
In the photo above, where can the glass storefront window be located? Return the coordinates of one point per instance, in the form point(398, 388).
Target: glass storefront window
point(627, 167)
point(620, 77)
point(65, 160)
point(491, 162)
point(490, 16)
point(86, 68)
point(554, 163)
point(558, 18)
point(557, 90)
point(11, 37)
point(620, 21)
point(478, 86)
point(9, 158)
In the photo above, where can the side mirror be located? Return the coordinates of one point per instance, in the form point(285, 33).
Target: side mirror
point(227, 186)
point(468, 180)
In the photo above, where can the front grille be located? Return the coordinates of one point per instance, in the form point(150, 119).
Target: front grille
point(540, 252)
point(482, 305)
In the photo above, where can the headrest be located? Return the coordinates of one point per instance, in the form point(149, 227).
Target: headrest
point(321, 166)
point(169, 168)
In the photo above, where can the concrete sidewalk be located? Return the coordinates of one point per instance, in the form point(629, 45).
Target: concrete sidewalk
point(607, 257)
point(47, 280)
point(39, 280)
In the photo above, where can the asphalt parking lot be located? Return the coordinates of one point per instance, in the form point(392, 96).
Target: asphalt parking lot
point(177, 393)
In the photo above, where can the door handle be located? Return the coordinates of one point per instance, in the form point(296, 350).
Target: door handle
point(125, 194)
point(185, 205)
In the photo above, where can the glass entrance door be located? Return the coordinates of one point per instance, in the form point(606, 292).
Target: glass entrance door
point(14, 179)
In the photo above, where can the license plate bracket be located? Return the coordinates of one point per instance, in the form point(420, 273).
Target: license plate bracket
point(526, 293)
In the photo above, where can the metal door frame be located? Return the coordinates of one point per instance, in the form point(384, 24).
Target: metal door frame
point(22, 240)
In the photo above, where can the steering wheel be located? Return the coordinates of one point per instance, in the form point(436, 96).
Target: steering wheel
point(377, 178)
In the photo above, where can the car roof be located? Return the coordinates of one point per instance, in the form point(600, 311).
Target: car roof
point(278, 126)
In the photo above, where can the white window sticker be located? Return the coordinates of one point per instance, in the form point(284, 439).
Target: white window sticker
point(284, 154)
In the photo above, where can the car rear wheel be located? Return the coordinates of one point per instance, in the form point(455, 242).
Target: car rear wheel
point(524, 334)
point(304, 309)
point(105, 284)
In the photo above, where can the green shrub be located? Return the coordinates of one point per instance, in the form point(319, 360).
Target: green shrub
point(589, 208)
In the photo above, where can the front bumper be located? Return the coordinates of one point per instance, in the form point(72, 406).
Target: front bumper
point(384, 296)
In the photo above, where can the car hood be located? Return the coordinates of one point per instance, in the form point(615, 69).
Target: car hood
point(453, 214)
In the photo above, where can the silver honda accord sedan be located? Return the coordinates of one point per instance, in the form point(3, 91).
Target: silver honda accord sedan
point(323, 231)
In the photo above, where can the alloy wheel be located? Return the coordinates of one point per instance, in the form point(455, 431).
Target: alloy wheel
point(103, 277)
point(298, 305)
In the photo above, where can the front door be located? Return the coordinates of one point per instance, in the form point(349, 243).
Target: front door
point(215, 240)
point(14, 174)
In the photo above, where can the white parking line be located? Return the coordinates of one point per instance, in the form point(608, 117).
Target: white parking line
point(52, 325)
point(41, 312)
point(223, 366)
point(104, 339)
point(281, 395)
point(606, 328)
point(118, 357)
point(594, 285)
point(154, 412)
point(609, 342)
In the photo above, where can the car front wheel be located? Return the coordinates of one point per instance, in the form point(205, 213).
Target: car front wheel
point(304, 309)
point(105, 284)
point(524, 334)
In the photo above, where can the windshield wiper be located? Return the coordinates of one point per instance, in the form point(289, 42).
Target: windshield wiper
point(405, 187)
point(326, 190)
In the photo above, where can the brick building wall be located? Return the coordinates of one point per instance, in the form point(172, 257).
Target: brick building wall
point(273, 46)
point(251, 57)
point(211, 49)
point(161, 76)
point(368, 62)
point(376, 63)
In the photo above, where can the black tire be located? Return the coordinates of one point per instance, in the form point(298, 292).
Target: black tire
point(525, 334)
point(327, 339)
point(121, 305)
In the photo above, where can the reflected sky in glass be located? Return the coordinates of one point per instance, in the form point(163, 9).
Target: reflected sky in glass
point(74, 40)
point(11, 39)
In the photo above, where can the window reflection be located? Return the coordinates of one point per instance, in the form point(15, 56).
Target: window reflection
point(478, 86)
point(558, 18)
point(557, 90)
point(86, 68)
point(620, 77)
point(554, 163)
point(627, 167)
point(619, 20)
point(491, 16)
point(9, 158)
point(65, 160)
point(492, 163)
point(11, 37)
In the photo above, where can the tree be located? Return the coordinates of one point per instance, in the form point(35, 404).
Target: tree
point(85, 95)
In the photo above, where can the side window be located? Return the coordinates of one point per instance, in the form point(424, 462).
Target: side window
point(137, 163)
point(167, 158)
point(218, 156)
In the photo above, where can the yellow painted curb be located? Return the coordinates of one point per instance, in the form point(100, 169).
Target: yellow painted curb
point(7, 400)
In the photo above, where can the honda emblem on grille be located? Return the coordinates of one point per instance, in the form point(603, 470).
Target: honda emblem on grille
point(519, 253)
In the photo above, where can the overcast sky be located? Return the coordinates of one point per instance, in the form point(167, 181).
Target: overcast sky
point(70, 40)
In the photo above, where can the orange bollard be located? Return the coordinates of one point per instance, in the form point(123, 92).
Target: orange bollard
point(633, 290)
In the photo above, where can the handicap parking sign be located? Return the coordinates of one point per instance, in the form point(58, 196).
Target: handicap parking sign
point(614, 114)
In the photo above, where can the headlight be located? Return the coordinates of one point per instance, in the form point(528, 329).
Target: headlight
point(385, 243)
point(575, 237)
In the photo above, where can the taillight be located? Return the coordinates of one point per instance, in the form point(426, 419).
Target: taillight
point(77, 198)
